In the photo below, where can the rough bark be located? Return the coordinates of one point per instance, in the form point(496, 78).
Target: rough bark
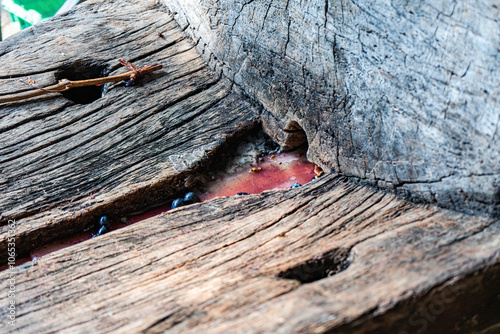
point(332, 256)
point(401, 94)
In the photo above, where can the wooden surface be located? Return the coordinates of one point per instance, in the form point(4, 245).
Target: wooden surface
point(214, 267)
point(403, 95)
point(250, 264)
point(77, 159)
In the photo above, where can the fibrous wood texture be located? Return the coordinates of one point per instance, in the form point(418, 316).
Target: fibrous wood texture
point(214, 267)
point(76, 159)
point(331, 256)
point(401, 94)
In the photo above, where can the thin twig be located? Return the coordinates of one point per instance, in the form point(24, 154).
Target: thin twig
point(31, 83)
point(66, 84)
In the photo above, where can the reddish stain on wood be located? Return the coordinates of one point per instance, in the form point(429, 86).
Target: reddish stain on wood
point(276, 172)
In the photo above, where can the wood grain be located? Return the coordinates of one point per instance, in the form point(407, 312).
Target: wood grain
point(378, 263)
point(77, 159)
point(213, 267)
point(400, 94)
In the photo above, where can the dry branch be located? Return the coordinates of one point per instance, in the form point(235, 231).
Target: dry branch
point(66, 84)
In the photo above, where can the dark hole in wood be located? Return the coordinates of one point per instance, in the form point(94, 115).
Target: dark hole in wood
point(319, 267)
point(295, 137)
point(82, 70)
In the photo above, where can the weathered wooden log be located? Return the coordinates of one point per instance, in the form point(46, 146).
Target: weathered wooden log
point(403, 95)
point(79, 158)
point(331, 256)
point(246, 264)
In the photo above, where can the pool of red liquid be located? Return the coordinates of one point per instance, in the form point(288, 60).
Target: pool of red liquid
point(273, 172)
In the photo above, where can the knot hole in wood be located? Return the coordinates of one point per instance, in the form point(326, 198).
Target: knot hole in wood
point(319, 267)
point(83, 70)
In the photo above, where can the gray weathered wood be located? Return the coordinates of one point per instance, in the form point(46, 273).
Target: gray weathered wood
point(78, 159)
point(401, 94)
point(244, 264)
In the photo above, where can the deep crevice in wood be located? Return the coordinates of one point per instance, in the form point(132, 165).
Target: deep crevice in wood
point(83, 70)
point(133, 203)
point(319, 267)
point(153, 275)
point(295, 136)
